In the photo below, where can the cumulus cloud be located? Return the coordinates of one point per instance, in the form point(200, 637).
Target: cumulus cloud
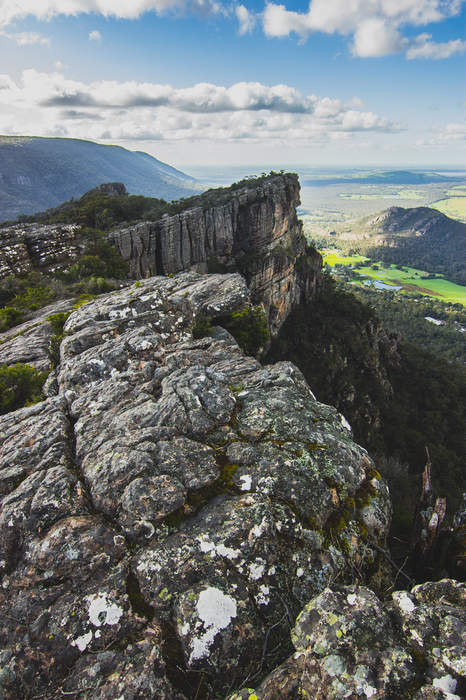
point(95, 35)
point(147, 111)
point(11, 10)
point(424, 47)
point(373, 24)
point(376, 37)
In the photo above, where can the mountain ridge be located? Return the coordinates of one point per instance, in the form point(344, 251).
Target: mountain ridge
point(38, 173)
point(419, 237)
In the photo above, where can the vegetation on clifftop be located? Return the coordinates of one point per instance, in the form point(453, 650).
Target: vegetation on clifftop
point(99, 209)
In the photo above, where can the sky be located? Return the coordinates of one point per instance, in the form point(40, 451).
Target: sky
point(210, 82)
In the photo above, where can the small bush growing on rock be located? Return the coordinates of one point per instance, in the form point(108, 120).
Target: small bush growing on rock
point(202, 327)
point(9, 317)
point(249, 329)
point(57, 321)
point(20, 385)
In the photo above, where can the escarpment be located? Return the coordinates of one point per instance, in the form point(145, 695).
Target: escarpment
point(255, 231)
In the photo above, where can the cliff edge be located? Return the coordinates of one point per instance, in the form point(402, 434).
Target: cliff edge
point(254, 230)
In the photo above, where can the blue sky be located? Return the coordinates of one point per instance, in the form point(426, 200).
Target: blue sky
point(333, 82)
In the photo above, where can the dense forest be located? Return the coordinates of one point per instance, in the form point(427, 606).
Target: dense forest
point(398, 397)
point(407, 314)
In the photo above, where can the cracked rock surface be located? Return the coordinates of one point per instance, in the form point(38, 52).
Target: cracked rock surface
point(350, 645)
point(166, 514)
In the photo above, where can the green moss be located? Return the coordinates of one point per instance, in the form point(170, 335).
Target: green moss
point(235, 388)
point(164, 594)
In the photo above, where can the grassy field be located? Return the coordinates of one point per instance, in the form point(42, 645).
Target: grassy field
point(454, 206)
point(332, 258)
point(409, 278)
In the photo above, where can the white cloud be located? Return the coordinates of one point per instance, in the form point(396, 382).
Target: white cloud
point(27, 38)
point(373, 24)
point(245, 18)
point(50, 104)
point(424, 47)
point(95, 35)
point(11, 10)
point(376, 37)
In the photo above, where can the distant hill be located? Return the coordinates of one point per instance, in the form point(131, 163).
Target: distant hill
point(39, 173)
point(419, 237)
point(381, 177)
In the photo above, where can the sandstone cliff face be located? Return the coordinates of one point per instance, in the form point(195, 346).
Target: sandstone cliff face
point(256, 232)
point(172, 505)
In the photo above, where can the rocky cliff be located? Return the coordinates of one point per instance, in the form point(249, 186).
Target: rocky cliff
point(254, 229)
point(172, 505)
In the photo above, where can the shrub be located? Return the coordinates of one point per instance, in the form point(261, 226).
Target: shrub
point(202, 327)
point(10, 317)
point(249, 329)
point(34, 298)
point(20, 385)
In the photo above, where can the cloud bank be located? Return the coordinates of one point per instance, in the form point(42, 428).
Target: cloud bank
point(374, 27)
point(147, 111)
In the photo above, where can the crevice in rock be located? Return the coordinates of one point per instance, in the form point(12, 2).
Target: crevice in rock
point(193, 684)
point(138, 603)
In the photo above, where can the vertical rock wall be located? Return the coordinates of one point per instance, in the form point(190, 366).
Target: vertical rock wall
point(256, 231)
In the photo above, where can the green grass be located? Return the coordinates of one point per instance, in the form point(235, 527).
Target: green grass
point(411, 280)
point(454, 207)
point(410, 194)
point(332, 258)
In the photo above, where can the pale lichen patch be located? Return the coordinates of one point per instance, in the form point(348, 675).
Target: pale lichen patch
point(215, 610)
point(102, 612)
point(83, 641)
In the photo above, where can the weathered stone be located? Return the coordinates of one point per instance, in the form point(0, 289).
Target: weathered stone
point(350, 645)
point(26, 247)
point(29, 342)
point(174, 506)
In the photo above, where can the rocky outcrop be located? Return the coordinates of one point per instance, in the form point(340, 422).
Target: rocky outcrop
point(171, 506)
point(29, 342)
point(27, 247)
point(254, 229)
point(349, 644)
